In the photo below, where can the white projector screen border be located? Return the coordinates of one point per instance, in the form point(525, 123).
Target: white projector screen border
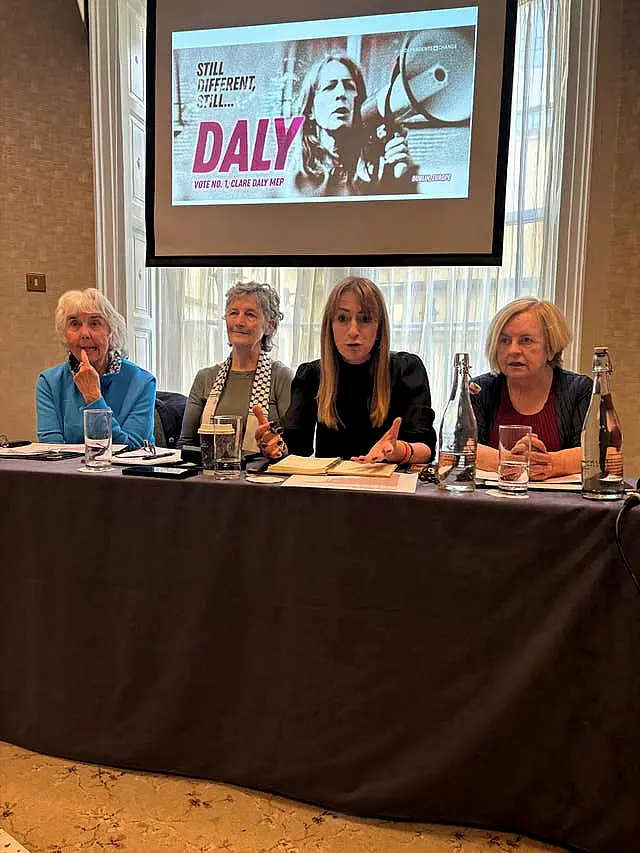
point(373, 228)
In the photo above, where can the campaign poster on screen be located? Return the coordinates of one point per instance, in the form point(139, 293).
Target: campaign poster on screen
point(375, 107)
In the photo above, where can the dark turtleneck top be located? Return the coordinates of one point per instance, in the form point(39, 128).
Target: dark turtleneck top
point(355, 436)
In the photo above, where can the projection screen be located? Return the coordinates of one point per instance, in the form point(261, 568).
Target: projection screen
point(327, 134)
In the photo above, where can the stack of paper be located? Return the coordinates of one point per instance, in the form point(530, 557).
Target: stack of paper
point(568, 483)
point(40, 448)
point(400, 483)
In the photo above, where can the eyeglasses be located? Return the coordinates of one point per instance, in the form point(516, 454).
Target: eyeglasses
point(145, 451)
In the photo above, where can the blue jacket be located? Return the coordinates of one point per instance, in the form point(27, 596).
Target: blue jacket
point(573, 394)
point(130, 394)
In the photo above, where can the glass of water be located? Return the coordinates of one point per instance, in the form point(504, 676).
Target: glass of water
point(97, 439)
point(227, 446)
point(514, 450)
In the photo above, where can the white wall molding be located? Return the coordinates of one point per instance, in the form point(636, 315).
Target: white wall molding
point(107, 150)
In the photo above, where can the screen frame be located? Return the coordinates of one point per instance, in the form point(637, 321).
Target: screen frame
point(387, 259)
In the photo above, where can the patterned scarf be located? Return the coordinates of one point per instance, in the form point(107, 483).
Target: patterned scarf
point(113, 364)
point(260, 393)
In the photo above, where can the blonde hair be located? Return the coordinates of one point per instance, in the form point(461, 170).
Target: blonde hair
point(372, 301)
point(91, 301)
point(554, 327)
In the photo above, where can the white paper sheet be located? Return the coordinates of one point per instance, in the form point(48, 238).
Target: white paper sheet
point(400, 483)
point(41, 447)
point(568, 483)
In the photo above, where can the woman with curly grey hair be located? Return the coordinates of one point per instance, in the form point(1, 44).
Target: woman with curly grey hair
point(95, 375)
point(248, 377)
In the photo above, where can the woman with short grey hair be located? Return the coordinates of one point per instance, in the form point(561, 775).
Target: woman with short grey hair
point(248, 377)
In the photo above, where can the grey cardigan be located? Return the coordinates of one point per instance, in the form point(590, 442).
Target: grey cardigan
point(573, 393)
point(279, 398)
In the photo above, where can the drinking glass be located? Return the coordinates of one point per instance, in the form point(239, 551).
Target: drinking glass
point(514, 451)
point(97, 439)
point(221, 444)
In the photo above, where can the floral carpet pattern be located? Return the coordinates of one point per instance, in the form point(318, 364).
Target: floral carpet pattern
point(49, 805)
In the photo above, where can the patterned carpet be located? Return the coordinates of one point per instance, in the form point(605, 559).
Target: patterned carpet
point(49, 805)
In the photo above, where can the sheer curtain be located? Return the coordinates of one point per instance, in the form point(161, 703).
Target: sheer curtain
point(434, 312)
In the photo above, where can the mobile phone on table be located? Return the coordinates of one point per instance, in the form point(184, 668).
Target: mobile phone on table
point(167, 472)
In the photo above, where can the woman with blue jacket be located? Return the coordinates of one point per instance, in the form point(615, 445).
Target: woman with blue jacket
point(95, 375)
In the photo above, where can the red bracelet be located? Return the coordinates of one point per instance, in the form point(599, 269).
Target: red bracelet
point(408, 453)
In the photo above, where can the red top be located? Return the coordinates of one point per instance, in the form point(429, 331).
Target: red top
point(544, 423)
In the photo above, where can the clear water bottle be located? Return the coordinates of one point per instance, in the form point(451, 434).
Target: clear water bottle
point(601, 441)
point(458, 437)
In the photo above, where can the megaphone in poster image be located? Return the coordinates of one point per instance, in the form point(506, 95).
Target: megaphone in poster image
point(431, 84)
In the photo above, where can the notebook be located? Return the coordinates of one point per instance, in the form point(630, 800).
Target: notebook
point(347, 468)
point(293, 464)
point(314, 466)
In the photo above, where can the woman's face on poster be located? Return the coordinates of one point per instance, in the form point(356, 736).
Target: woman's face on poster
point(334, 102)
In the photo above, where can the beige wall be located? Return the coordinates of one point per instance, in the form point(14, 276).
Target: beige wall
point(611, 309)
point(46, 189)
point(46, 200)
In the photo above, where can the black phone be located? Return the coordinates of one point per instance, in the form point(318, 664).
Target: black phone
point(165, 471)
point(257, 465)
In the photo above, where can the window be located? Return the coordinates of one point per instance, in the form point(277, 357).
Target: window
point(434, 311)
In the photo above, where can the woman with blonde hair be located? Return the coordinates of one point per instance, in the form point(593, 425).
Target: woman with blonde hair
point(528, 386)
point(95, 375)
point(360, 400)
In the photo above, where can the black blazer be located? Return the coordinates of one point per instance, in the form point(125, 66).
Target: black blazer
point(355, 436)
point(573, 393)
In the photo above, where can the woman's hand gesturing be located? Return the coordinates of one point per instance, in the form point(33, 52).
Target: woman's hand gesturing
point(268, 440)
point(388, 448)
point(87, 380)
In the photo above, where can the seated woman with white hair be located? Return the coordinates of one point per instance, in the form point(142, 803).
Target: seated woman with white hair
point(95, 375)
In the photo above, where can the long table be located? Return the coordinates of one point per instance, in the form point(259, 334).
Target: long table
point(457, 659)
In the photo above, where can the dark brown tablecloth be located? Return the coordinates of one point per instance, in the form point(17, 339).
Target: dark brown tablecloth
point(458, 659)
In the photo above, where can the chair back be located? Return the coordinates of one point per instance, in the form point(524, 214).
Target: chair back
point(169, 410)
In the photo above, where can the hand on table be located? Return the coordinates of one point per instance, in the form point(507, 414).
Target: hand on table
point(387, 449)
point(87, 380)
point(268, 440)
point(540, 462)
